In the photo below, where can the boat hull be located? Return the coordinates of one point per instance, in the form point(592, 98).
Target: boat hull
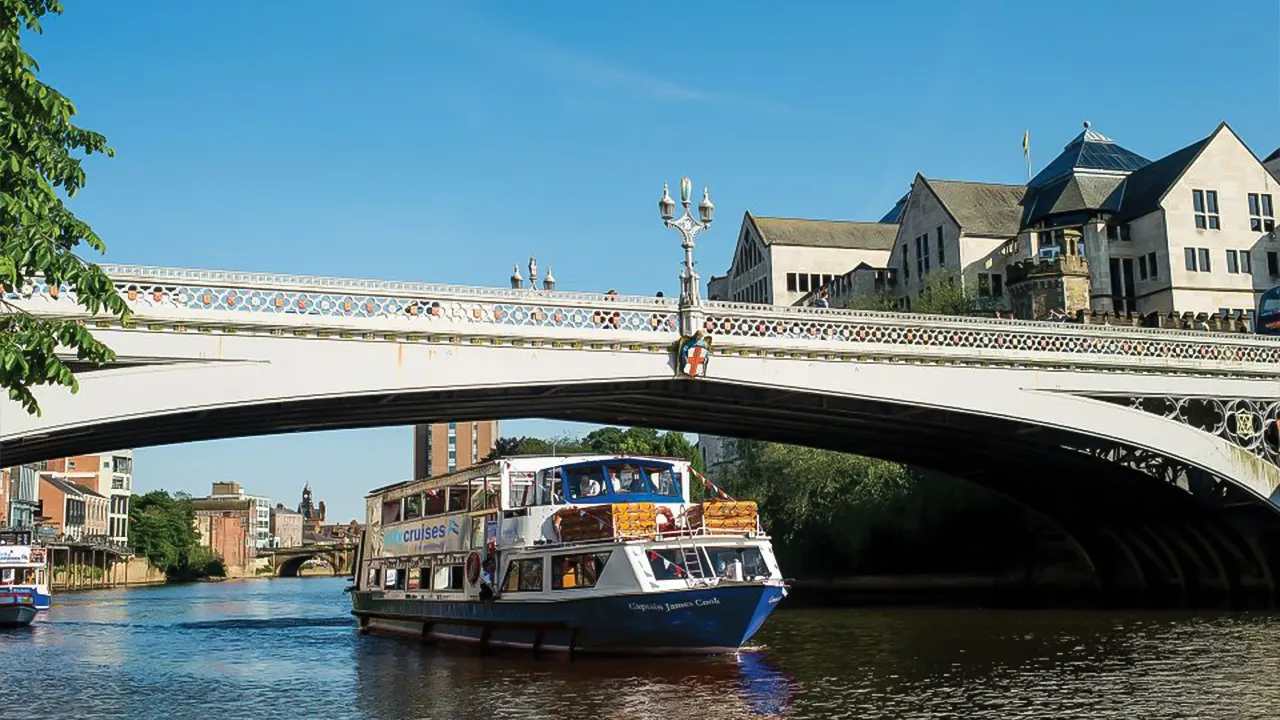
point(690, 621)
point(12, 616)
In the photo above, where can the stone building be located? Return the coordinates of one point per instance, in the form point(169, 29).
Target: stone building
point(286, 527)
point(228, 527)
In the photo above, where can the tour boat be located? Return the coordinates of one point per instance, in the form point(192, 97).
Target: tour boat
point(23, 568)
point(17, 608)
point(601, 553)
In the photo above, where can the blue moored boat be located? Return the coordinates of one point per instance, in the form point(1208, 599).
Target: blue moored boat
point(581, 554)
point(23, 567)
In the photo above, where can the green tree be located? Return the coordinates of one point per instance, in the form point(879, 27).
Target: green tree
point(41, 156)
point(944, 294)
point(162, 529)
point(879, 300)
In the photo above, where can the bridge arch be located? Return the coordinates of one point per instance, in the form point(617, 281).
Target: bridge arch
point(1051, 417)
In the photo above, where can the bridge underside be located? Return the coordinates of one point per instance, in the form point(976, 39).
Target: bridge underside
point(1149, 534)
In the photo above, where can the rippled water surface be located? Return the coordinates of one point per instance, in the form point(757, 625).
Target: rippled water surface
point(288, 648)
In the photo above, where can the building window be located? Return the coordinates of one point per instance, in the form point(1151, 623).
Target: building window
point(815, 281)
point(1233, 263)
point(997, 285)
point(1142, 268)
point(1151, 266)
point(475, 442)
point(1246, 262)
point(1205, 203)
point(942, 252)
point(1204, 260)
point(791, 282)
point(1190, 256)
point(984, 285)
point(1273, 263)
point(906, 264)
point(804, 282)
point(1261, 213)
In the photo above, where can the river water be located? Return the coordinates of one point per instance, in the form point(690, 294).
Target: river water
point(289, 649)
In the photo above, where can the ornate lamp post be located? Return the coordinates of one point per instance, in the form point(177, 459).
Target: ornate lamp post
point(689, 227)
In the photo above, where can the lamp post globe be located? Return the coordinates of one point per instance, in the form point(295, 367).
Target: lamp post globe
point(666, 205)
point(706, 208)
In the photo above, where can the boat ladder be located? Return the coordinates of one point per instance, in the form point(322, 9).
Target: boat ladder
point(691, 558)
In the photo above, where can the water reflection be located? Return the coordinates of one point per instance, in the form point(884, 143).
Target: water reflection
point(288, 648)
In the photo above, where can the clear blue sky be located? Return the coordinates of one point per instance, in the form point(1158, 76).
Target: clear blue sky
point(448, 141)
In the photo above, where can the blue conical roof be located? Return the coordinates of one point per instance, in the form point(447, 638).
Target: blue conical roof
point(1090, 152)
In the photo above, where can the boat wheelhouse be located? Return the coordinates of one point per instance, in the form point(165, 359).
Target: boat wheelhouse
point(601, 553)
point(23, 568)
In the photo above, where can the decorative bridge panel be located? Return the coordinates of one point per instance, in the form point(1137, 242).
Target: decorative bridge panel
point(524, 310)
point(944, 333)
point(1248, 423)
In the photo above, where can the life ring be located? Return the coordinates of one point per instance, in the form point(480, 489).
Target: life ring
point(664, 512)
point(473, 567)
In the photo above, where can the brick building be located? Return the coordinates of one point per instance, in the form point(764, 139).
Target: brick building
point(62, 505)
point(441, 448)
point(227, 526)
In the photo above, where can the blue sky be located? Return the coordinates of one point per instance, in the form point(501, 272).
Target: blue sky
point(329, 138)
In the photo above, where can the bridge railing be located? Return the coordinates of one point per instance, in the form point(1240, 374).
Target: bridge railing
point(257, 300)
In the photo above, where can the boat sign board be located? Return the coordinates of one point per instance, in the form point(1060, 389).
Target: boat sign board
point(429, 537)
point(15, 554)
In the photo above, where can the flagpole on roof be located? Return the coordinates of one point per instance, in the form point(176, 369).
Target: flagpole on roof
point(1026, 151)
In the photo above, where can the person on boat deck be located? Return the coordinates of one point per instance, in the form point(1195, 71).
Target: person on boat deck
point(589, 486)
point(486, 579)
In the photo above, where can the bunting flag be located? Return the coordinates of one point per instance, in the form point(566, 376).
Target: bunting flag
point(711, 486)
point(667, 564)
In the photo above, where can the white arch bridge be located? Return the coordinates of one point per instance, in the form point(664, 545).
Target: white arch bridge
point(1155, 450)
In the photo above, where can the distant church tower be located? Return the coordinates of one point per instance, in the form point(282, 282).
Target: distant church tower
point(306, 507)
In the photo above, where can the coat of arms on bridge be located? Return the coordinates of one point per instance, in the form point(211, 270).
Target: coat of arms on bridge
point(693, 352)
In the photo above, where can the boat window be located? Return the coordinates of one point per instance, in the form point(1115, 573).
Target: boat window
point(458, 498)
point(391, 512)
point(433, 502)
point(447, 578)
point(484, 494)
point(375, 577)
point(413, 507)
point(577, 571)
point(541, 488)
point(666, 565)
point(6, 576)
point(584, 482)
point(394, 579)
point(627, 479)
point(523, 576)
point(664, 481)
point(415, 578)
point(737, 563)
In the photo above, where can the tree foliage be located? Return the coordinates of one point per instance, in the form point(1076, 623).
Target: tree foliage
point(605, 441)
point(41, 157)
point(834, 513)
point(943, 293)
point(162, 529)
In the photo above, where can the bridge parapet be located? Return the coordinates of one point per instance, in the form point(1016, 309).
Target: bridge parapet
point(177, 299)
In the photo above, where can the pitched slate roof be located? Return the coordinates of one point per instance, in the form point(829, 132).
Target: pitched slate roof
point(64, 486)
point(1072, 193)
point(981, 208)
point(1275, 155)
point(1090, 151)
point(1144, 188)
point(825, 233)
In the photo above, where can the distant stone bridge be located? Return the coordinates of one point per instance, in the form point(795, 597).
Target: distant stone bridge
point(287, 562)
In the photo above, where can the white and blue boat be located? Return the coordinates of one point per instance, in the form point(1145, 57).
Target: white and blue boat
point(23, 568)
point(601, 553)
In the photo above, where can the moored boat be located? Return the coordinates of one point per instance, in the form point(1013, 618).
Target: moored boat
point(23, 567)
point(17, 608)
point(600, 553)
